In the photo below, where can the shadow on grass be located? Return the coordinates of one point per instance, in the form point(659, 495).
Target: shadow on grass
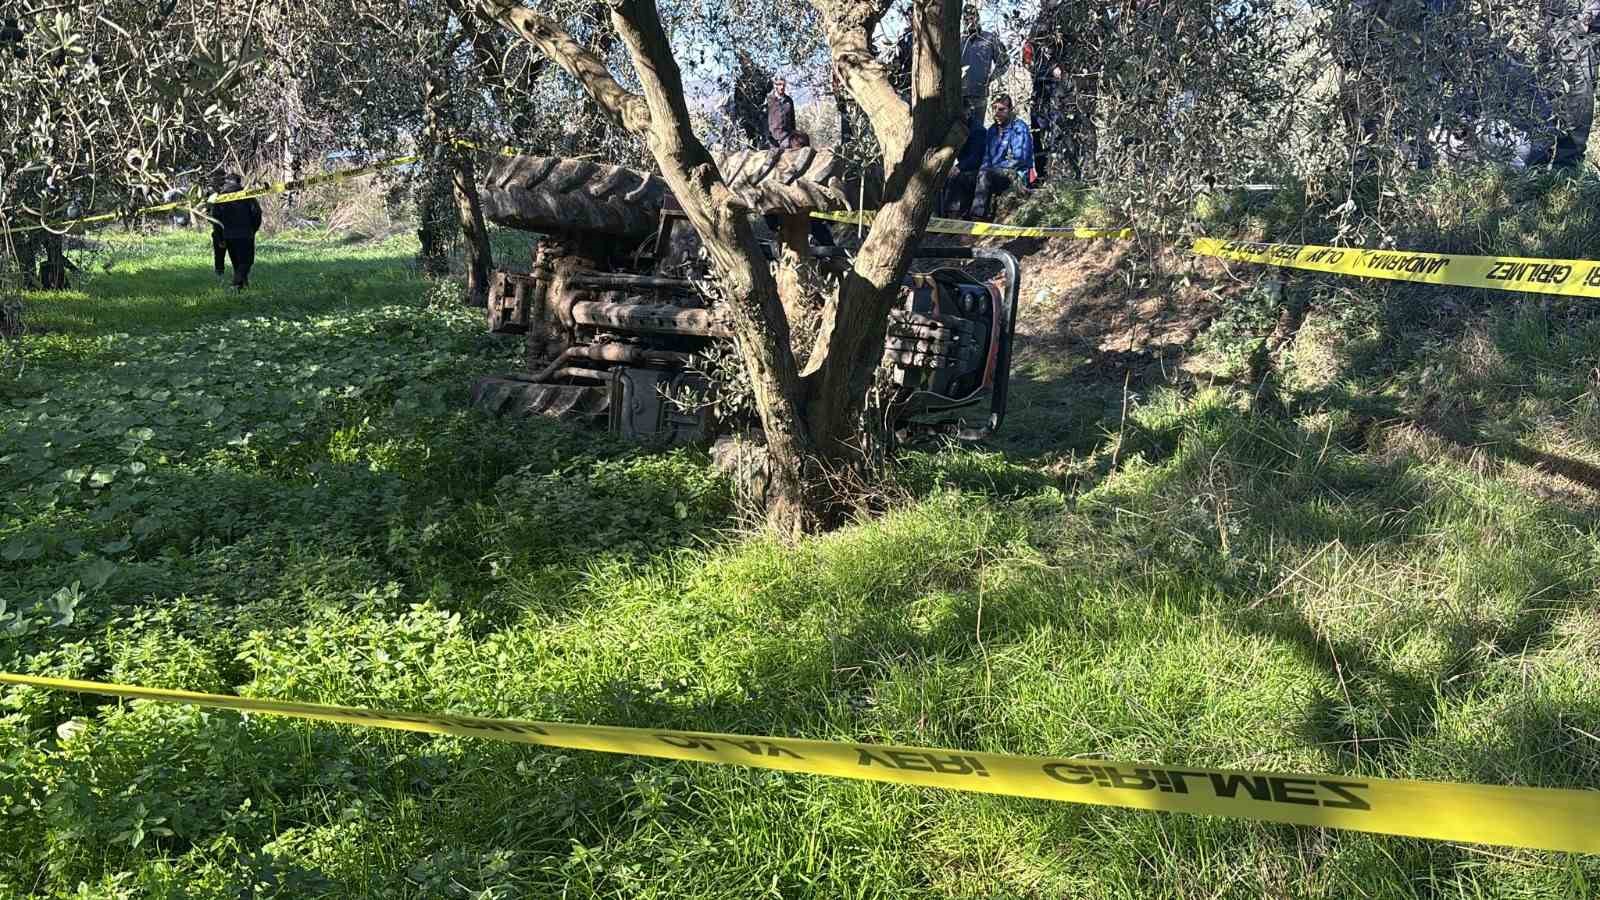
point(915, 629)
point(169, 286)
point(891, 633)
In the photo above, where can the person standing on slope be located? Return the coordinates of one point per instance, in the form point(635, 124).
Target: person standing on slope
point(780, 115)
point(983, 61)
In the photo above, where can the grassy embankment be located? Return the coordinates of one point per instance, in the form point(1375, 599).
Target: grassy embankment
point(280, 494)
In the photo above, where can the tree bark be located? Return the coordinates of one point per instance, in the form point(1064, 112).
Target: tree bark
point(919, 143)
point(796, 269)
point(760, 323)
point(474, 234)
point(434, 204)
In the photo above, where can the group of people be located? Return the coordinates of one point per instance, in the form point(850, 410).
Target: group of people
point(995, 158)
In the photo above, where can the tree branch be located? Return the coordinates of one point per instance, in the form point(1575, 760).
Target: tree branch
point(919, 146)
point(936, 71)
point(848, 25)
point(627, 108)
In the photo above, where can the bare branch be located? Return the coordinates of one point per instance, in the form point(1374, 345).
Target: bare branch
point(627, 108)
point(849, 26)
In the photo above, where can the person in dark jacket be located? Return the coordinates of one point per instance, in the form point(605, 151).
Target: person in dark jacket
point(983, 61)
point(1007, 165)
point(233, 232)
point(780, 115)
point(746, 103)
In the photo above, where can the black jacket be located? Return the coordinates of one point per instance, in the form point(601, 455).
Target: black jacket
point(780, 119)
point(236, 219)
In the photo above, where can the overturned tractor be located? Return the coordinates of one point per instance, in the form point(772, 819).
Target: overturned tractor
point(617, 328)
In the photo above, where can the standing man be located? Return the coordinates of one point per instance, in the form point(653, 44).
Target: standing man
point(1007, 157)
point(843, 103)
point(983, 61)
point(780, 115)
point(233, 231)
point(751, 85)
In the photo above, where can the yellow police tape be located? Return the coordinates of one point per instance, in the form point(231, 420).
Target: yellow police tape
point(1540, 818)
point(1569, 277)
point(938, 225)
point(502, 151)
point(277, 187)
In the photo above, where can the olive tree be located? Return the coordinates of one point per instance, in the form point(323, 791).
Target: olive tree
point(810, 400)
point(105, 100)
point(432, 78)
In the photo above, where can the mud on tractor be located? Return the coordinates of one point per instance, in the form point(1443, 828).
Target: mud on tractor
point(616, 328)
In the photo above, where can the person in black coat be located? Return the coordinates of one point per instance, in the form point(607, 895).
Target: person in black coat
point(233, 232)
point(780, 116)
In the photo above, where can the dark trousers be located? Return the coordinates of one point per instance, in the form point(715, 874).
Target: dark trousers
point(240, 251)
point(970, 156)
point(972, 193)
point(991, 183)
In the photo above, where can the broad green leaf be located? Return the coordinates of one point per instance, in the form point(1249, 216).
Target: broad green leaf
point(21, 550)
point(97, 573)
point(121, 545)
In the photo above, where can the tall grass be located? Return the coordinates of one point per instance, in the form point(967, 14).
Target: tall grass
point(1348, 588)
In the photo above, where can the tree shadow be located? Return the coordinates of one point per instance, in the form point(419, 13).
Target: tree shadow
point(155, 292)
point(892, 632)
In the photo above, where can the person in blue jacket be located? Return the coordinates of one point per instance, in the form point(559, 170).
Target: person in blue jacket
point(1007, 160)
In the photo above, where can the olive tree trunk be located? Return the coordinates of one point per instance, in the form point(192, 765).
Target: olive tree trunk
point(448, 196)
point(435, 208)
point(474, 234)
point(810, 412)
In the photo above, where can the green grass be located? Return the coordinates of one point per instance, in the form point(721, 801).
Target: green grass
point(282, 494)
